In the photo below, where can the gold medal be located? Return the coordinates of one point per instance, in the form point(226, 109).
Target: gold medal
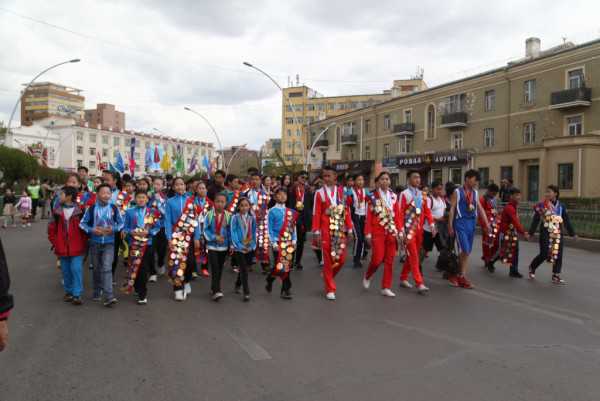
point(418, 210)
point(290, 249)
point(289, 256)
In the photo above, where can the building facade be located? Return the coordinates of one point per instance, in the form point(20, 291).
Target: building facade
point(237, 160)
point(105, 116)
point(45, 99)
point(302, 105)
point(269, 151)
point(535, 120)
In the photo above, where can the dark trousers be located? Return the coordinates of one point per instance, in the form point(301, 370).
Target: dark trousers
point(34, 206)
point(189, 267)
point(300, 239)
point(514, 263)
point(160, 248)
point(146, 266)
point(543, 255)
point(116, 252)
point(359, 237)
point(244, 261)
point(286, 282)
point(216, 261)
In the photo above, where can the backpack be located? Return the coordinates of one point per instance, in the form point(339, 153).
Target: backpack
point(448, 260)
point(91, 211)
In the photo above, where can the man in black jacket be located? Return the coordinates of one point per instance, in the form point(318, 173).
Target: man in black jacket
point(6, 300)
point(298, 198)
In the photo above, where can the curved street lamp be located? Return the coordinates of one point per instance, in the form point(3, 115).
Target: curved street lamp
point(233, 157)
point(211, 127)
point(315, 142)
point(12, 114)
point(247, 64)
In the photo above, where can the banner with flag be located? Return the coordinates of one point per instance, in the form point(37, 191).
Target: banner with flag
point(165, 164)
point(148, 158)
point(179, 160)
point(119, 163)
point(193, 163)
point(207, 166)
point(132, 158)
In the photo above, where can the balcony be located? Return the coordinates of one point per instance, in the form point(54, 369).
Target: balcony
point(568, 98)
point(349, 139)
point(404, 129)
point(454, 120)
point(322, 144)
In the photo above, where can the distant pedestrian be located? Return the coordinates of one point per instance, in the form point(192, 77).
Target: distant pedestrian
point(34, 190)
point(10, 210)
point(24, 206)
point(243, 243)
point(511, 228)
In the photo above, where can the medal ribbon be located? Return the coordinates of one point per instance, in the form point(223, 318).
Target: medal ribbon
point(282, 264)
point(468, 196)
point(219, 217)
point(180, 243)
point(138, 248)
point(300, 194)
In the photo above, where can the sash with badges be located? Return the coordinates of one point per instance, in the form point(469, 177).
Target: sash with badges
point(385, 213)
point(138, 247)
point(285, 245)
point(232, 206)
point(492, 234)
point(509, 244)
point(201, 253)
point(412, 215)
point(552, 216)
point(180, 242)
point(300, 198)
point(337, 221)
point(260, 212)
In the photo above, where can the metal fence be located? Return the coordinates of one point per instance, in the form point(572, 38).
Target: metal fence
point(585, 222)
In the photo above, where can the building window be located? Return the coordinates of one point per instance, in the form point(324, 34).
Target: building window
point(484, 174)
point(92, 164)
point(298, 133)
point(289, 145)
point(490, 100)
point(310, 107)
point(338, 139)
point(456, 140)
point(136, 156)
point(105, 139)
point(408, 116)
point(455, 103)
point(79, 136)
point(289, 132)
point(115, 153)
point(528, 133)
point(387, 122)
point(367, 152)
point(367, 123)
point(116, 141)
point(79, 163)
point(488, 138)
point(405, 144)
point(436, 175)
point(456, 175)
point(104, 152)
point(565, 176)
point(430, 124)
point(506, 173)
point(127, 141)
point(92, 151)
point(295, 94)
point(576, 78)
point(79, 150)
point(93, 138)
point(386, 151)
point(529, 91)
point(575, 125)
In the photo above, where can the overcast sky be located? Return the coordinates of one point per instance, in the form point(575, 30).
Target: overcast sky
point(151, 58)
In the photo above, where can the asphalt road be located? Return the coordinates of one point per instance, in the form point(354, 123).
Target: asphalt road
point(506, 340)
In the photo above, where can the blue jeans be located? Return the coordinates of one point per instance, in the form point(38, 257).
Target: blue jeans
point(72, 275)
point(102, 257)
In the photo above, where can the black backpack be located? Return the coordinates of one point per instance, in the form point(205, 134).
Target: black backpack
point(448, 260)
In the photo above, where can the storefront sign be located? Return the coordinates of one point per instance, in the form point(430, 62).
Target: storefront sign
point(428, 160)
point(354, 167)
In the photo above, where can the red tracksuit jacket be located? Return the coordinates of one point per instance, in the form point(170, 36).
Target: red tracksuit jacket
point(510, 216)
point(406, 198)
point(372, 225)
point(320, 222)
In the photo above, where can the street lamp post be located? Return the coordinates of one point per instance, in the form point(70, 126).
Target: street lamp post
point(247, 64)
point(14, 110)
point(211, 127)
point(233, 157)
point(315, 142)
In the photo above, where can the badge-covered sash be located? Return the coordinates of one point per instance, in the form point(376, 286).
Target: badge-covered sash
point(286, 246)
point(552, 217)
point(181, 239)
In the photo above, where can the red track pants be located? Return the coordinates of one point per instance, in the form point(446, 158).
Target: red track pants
point(412, 260)
point(384, 248)
point(329, 272)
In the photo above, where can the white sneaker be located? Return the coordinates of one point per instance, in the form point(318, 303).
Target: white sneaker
point(422, 289)
point(217, 296)
point(152, 278)
point(28, 224)
point(187, 288)
point(321, 263)
point(142, 301)
point(405, 284)
point(386, 292)
point(179, 295)
point(330, 296)
point(366, 283)
point(161, 270)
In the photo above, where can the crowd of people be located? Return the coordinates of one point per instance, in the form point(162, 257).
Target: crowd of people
point(188, 229)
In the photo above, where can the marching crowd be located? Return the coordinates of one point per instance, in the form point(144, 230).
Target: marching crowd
point(188, 229)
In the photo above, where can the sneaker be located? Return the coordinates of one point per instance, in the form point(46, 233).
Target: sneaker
point(110, 302)
point(557, 280)
point(205, 273)
point(299, 267)
point(187, 288)
point(77, 301)
point(321, 263)
point(194, 275)
point(330, 296)
point(236, 269)
point(366, 283)
point(179, 295)
point(465, 283)
point(161, 270)
point(515, 275)
point(386, 292)
point(153, 278)
point(246, 298)
point(405, 284)
point(269, 286)
point(23, 226)
point(28, 224)
point(142, 301)
point(453, 281)
point(97, 298)
point(237, 289)
point(286, 295)
point(531, 274)
point(358, 265)
point(68, 298)
point(422, 289)
point(217, 296)
point(490, 267)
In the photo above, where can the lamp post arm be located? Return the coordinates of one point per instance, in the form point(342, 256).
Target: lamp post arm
point(232, 157)
point(315, 142)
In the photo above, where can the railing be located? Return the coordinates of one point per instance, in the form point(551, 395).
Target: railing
point(404, 128)
point(585, 222)
point(322, 143)
point(575, 96)
point(457, 119)
point(349, 139)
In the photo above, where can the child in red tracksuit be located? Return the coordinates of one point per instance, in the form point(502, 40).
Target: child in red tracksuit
point(413, 213)
point(382, 231)
point(510, 227)
point(70, 243)
point(331, 225)
point(490, 238)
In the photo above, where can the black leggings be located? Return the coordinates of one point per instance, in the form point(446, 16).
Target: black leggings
point(543, 255)
point(146, 266)
point(216, 260)
point(301, 238)
point(244, 261)
point(160, 247)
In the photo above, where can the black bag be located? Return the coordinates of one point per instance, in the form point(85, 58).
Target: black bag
point(448, 260)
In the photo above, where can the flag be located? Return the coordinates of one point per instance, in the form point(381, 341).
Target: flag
point(112, 167)
point(165, 164)
point(156, 154)
point(179, 160)
point(99, 160)
point(131, 158)
point(192, 166)
point(119, 163)
point(148, 158)
point(206, 164)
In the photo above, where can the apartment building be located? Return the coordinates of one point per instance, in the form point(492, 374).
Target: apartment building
point(105, 116)
point(46, 99)
point(302, 105)
point(535, 120)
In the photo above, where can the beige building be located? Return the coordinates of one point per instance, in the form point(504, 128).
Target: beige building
point(302, 105)
point(239, 160)
point(46, 99)
point(105, 116)
point(535, 120)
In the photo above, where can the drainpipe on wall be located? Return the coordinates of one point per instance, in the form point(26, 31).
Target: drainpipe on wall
point(579, 163)
point(360, 152)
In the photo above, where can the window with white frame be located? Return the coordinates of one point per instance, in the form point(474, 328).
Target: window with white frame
point(529, 91)
point(430, 128)
point(92, 164)
point(92, 138)
point(79, 163)
point(104, 152)
point(297, 132)
point(79, 136)
point(405, 145)
point(367, 152)
point(576, 78)
point(289, 132)
point(408, 116)
point(575, 125)
point(127, 141)
point(490, 100)
point(387, 122)
point(528, 133)
point(116, 141)
point(92, 151)
point(456, 140)
point(455, 103)
point(105, 139)
point(489, 139)
point(386, 150)
point(79, 150)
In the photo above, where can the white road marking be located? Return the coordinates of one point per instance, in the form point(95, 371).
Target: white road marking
point(255, 351)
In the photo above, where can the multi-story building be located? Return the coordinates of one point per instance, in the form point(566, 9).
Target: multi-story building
point(45, 99)
point(535, 120)
point(105, 116)
point(269, 151)
point(302, 105)
point(70, 144)
point(237, 160)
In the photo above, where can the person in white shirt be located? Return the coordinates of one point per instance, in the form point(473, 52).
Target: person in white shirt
point(437, 204)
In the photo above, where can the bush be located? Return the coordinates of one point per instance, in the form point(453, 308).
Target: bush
point(18, 165)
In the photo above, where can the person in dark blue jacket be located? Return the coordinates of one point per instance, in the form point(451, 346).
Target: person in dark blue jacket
point(243, 243)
